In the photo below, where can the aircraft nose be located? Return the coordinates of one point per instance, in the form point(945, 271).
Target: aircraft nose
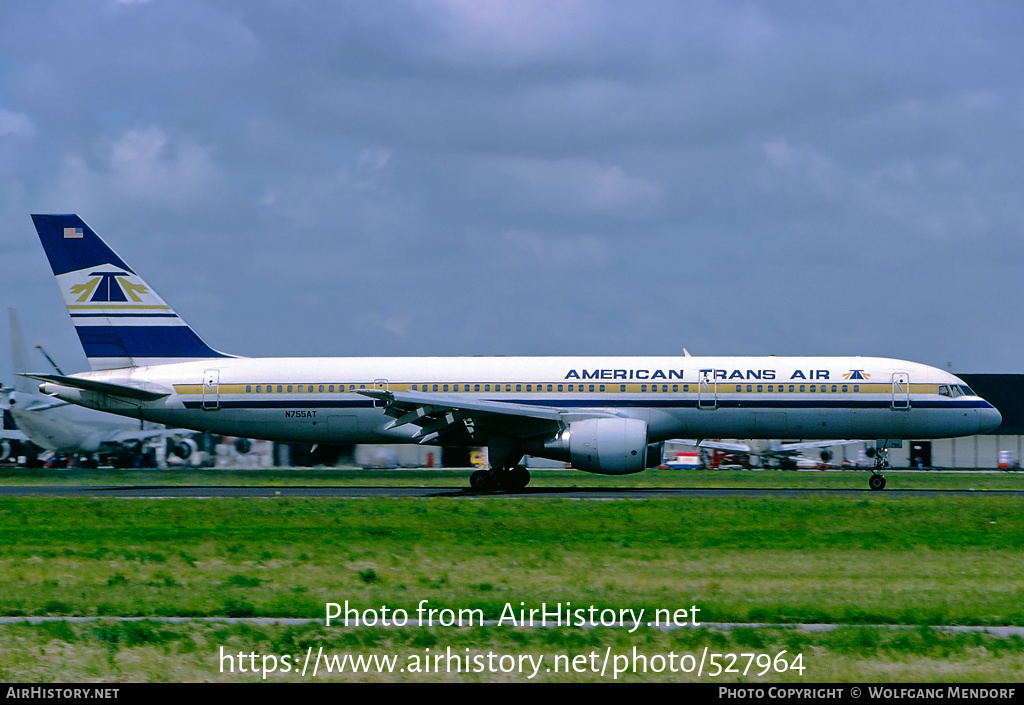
point(989, 418)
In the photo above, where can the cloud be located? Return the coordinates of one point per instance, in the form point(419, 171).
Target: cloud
point(570, 186)
point(143, 166)
point(16, 124)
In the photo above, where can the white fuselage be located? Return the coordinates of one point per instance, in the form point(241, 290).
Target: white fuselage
point(66, 428)
point(316, 400)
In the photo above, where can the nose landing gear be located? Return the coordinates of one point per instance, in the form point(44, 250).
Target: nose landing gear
point(881, 456)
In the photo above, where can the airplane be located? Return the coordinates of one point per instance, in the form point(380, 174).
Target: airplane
point(607, 415)
point(768, 452)
point(62, 427)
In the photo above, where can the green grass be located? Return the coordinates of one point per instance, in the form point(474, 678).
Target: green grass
point(459, 478)
point(872, 559)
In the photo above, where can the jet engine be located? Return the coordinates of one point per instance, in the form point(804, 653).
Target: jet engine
point(826, 455)
point(608, 446)
point(184, 449)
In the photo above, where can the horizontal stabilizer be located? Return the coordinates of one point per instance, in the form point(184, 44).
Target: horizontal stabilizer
point(149, 392)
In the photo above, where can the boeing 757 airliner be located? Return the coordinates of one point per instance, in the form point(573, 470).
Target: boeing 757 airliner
point(605, 415)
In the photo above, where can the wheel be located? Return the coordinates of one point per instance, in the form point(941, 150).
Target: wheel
point(876, 482)
point(482, 481)
point(519, 478)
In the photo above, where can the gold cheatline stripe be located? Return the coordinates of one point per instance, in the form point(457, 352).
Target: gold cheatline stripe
point(119, 307)
point(881, 388)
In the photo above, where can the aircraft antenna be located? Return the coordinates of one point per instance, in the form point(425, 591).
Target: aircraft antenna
point(49, 359)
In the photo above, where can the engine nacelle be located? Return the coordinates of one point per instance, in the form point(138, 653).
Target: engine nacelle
point(826, 455)
point(613, 446)
point(185, 449)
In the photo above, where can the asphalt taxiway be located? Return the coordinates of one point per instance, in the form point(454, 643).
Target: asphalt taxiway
point(596, 493)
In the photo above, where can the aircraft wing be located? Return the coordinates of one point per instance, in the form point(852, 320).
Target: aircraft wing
point(786, 447)
point(441, 414)
point(745, 448)
point(714, 445)
point(145, 435)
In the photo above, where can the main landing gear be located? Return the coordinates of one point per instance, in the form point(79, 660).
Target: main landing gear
point(508, 479)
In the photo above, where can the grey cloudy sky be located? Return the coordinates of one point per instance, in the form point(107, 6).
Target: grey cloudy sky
point(449, 177)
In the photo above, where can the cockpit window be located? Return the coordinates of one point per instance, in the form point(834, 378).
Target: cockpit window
point(964, 389)
point(944, 390)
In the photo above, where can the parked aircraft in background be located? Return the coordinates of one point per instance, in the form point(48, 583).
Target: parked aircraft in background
point(64, 428)
point(768, 452)
point(606, 415)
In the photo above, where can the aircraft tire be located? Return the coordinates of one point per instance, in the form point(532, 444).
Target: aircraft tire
point(876, 482)
point(519, 477)
point(483, 481)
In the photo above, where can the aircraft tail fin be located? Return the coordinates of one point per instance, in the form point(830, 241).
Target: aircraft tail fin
point(19, 356)
point(119, 319)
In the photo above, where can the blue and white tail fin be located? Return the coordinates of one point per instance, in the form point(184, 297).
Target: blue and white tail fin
point(120, 320)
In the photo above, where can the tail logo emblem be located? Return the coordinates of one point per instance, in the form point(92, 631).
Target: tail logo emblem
point(109, 286)
point(856, 374)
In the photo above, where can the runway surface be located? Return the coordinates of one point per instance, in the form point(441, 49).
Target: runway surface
point(595, 493)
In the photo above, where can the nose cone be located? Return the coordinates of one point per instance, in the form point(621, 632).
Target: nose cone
point(989, 418)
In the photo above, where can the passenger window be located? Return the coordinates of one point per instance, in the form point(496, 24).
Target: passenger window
point(770, 386)
point(833, 387)
point(801, 387)
point(739, 387)
point(330, 388)
point(549, 387)
point(591, 388)
point(444, 388)
point(487, 387)
point(600, 388)
point(248, 388)
point(529, 387)
point(259, 389)
point(686, 387)
point(846, 388)
point(435, 387)
point(750, 388)
point(476, 387)
point(643, 387)
point(664, 387)
point(675, 388)
point(508, 387)
point(279, 389)
point(856, 387)
point(760, 388)
point(519, 387)
point(559, 387)
point(622, 387)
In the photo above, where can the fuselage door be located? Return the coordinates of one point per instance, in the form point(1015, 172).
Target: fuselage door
point(900, 391)
point(380, 384)
point(211, 390)
point(707, 390)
